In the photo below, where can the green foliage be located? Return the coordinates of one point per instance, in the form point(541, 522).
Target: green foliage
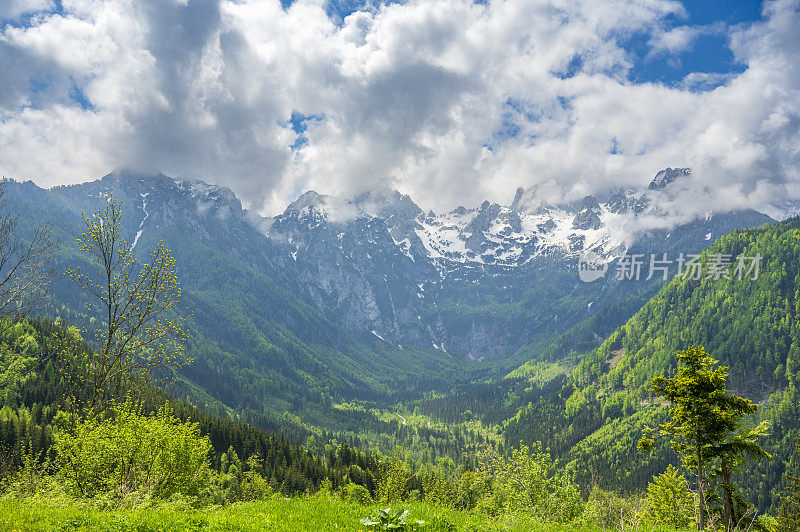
point(33, 476)
point(669, 501)
point(356, 493)
point(706, 424)
point(528, 482)
point(131, 454)
point(394, 484)
point(17, 358)
point(610, 510)
point(388, 519)
point(461, 492)
point(236, 481)
point(140, 333)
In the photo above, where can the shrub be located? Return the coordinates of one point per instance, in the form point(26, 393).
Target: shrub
point(236, 481)
point(33, 475)
point(128, 452)
point(394, 484)
point(527, 482)
point(610, 510)
point(461, 492)
point(669, 501)
point(356, 493)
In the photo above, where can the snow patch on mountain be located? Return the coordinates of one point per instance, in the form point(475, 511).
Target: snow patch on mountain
point(782, 210)
point(490, 235)
point(139, 232)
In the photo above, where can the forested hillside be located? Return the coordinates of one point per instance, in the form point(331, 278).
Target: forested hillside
point(43, 365)
point(750, 325)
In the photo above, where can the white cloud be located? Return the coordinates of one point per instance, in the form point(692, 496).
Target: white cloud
point(415, 96)
point(682, 38)
point(11, 9)
point(675, 40)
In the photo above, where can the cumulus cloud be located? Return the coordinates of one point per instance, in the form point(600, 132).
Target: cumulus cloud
point(11, 9)
point(450, 101)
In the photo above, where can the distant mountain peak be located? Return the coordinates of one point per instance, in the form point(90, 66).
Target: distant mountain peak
point(588, 216)
point(667, 176)
point(387, 204)
point(124, 176)
point(308, 200)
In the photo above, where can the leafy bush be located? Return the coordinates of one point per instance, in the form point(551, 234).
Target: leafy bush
point(528, 482)
point(131, 453)
point(17, 359)
point(669, 501)
point(356, 493)
point(610, 510)
point(236, 481)
point(453, 491)
point(33, 475)
point(394, 484)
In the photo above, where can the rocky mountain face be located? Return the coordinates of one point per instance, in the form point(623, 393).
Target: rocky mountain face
point(157, 207)
point(667, 176)
point(478, 282)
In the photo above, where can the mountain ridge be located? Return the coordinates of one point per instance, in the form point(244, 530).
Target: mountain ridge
point(469, 282)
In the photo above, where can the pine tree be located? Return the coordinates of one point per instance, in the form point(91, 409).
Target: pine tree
point(669, 500)
point(706, 424)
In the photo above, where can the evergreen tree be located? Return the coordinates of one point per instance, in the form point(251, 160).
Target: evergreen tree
point(669, 500)
point(706, 423)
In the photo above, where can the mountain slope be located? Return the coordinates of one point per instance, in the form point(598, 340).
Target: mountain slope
point(259, 348)
point(479, 283)
point(750, 325)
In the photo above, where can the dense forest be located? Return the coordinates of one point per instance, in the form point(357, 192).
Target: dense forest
point(751, 325)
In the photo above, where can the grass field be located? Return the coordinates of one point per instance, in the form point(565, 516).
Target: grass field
point(318, 513)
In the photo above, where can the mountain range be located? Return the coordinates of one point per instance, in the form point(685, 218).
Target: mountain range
point(370, 295)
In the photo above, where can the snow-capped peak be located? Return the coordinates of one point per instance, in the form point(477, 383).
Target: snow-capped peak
point(490, 235)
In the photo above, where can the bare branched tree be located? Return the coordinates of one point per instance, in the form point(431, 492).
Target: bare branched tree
point(140, 332)
point(25, 265)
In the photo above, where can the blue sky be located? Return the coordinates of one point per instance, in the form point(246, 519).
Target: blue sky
point(708, 53)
